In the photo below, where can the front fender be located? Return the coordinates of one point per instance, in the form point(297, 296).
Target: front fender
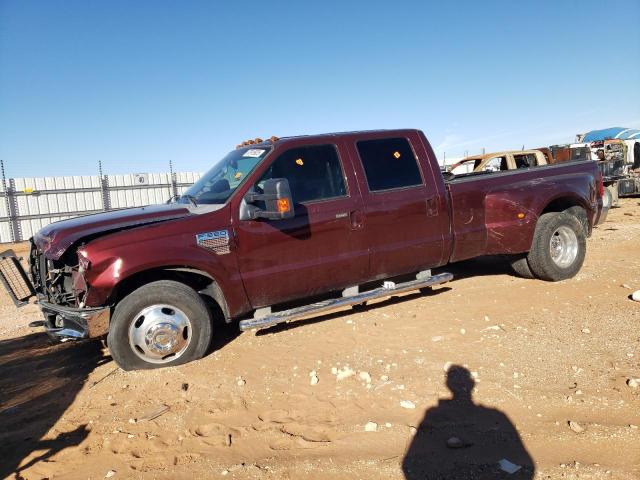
point(110, 267)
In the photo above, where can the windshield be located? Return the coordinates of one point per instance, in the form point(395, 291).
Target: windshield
point(217, 185)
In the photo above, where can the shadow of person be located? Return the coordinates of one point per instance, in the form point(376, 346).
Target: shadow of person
point(459, 439)
point(38, 382)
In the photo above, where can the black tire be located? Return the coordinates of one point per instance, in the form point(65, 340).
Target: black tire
point(165, 296)
point(520, 266)
point(581, 214)
point(566, 230)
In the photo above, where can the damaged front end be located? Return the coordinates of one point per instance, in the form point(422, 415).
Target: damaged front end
point(60, 288)
point(60, 274)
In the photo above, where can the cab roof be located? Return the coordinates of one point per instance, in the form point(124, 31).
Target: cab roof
point(274, 140)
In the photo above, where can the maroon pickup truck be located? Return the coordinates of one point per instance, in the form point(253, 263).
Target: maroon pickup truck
point(292, 227)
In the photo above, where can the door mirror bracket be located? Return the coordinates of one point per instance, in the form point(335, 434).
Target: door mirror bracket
point(276, 201)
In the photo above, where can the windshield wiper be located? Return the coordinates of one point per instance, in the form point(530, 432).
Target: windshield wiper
point(191, 198)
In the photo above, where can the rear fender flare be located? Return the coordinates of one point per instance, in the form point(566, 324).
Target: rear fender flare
point(568, 203)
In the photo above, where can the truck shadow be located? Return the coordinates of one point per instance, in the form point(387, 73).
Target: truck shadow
point(223, 332)
point(39, 380)
point(488, 265)
point(480, 266)
point(459, 439)
point(282, 327)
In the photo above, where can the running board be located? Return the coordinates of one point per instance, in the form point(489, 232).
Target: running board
point(387, 290)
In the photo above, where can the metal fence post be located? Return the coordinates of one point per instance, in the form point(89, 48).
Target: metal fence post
point(104, 189)
point(11, 206)
point(6, 199)
point(174, 180)
point(16, 229)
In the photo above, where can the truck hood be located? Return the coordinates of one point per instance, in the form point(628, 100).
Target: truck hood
point(54, 239)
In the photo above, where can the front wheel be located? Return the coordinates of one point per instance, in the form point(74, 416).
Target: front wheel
point(559, 247)
point(161, 324)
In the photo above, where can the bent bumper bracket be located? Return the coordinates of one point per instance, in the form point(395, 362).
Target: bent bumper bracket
point(67, 322)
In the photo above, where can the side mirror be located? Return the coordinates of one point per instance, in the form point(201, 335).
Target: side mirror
point(278, 203)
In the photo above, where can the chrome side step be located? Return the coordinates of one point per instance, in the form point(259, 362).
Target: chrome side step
point(387, 290)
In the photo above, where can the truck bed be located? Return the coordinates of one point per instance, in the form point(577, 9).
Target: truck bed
point(486, 208)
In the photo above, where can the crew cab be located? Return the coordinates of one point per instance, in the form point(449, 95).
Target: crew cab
point(292, 227)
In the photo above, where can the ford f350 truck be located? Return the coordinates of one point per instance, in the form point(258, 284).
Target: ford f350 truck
point(293, 227)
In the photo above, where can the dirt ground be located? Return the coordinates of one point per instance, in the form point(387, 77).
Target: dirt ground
point(395, 384)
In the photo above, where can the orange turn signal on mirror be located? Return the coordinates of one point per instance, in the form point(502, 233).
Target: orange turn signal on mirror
point(521, 215)
point(283, 205)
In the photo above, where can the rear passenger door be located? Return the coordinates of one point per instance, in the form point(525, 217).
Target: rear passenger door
point(403, 215)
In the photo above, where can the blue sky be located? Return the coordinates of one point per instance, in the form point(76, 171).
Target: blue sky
point(135, 84)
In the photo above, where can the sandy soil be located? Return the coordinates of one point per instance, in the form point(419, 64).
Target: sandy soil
point(540, 355)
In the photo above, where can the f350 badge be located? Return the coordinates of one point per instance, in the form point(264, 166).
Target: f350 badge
point(217, 241)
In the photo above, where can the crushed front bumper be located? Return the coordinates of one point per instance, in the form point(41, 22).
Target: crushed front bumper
point(62, 322)
point(66, 322)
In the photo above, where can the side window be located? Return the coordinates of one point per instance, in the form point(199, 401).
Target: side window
point(313, 172)
point(496, 164)
point(464, 166)
point(526, 160)
point(389, 163)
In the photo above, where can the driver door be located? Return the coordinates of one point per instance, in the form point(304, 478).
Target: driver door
point(322, 248)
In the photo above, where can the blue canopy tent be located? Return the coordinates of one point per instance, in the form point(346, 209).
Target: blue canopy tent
point(611, 133)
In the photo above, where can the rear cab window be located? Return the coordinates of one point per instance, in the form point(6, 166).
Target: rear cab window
point(525, 160)
point(314, 173)
point(389, 164)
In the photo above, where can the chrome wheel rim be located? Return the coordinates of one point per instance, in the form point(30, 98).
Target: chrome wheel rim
point(563, 246)
point(160, 333)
